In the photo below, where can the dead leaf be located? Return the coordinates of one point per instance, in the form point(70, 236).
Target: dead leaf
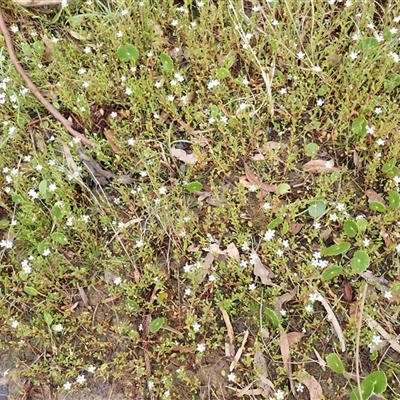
point(335, 322)
point(321, 361)
point(347, 291)
point(382, 282)
point(239, 352)
point(68, 156)
point(373, 196)
point(111, 138)
point(294, 337)
point(356, 159)
point(285, 351)
point(76, 35)
point(257, 157)
point(314, 388)
point(83, 297)
point(248, 391)
point(263, 272)
point(392, 340)
point(295, 227)
point(253, 179)
point(100, 175)
point(230, 345)
point(49, 45)
point(284, 299)
point(184, 157)
point(319, 166)
point(261, 369)
point(232, 251)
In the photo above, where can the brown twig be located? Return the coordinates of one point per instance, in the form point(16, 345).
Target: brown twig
point(35, 91)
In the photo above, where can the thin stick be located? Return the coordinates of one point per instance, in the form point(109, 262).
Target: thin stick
point(35, 91)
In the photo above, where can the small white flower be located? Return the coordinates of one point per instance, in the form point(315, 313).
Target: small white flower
point(380, 142)
point(266, 206)
point(317, 68)
point(85, 218)
point(299, 388)
point(128, 91)
point(131, 142)
point(269, 235)
point(196, 327)
point(91, 369)
point(309, 308)
point(211, 278)
point(67, 385)
point(253, 188)
point(174, 22)
point(366, 242)
point(252, 287)
point(162, 190)
point(378, 110)
point(58, 327)
point(14, 324)
point(117, 281)
point(80, 379)
point(201, 347)
point(139, 243)
point(388, 295)
point(231, 377)
point(46, 252)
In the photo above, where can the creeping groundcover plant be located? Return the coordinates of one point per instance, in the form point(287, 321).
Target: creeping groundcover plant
point(205, 201)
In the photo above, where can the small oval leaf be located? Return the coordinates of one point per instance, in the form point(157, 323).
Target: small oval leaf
point(223, 73)
point(335, 363)
point(193, 187)
point(377, 206)
point(330, 273)
point(166, 62)
point(316, 209)
point(336, 249)
point(128, 52)
point(59, 237)
point(378, 380)
point(394, 200)
point(157, 324)
point(47, 318)
point(350, 228)
point(275, 223)
point(31, 291)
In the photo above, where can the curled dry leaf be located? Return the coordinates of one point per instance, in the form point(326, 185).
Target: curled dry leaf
point(314, 388)
point(252, 179)
point(295, 227)
point(373, 196)
point(319, 166)
point(285, 351)
point(294, 337)
point(347, 291)
point(230, 342)
point(263, 272)
point(181, 155)
point(284, 299)
point(112, 138)
point(239, 352)
point(232, 251)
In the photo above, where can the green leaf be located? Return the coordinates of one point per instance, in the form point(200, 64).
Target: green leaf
point(360, 261)
point(271, 317)
point(4, 223)
point(47, 318)
point(350, 228)
point(193, 187)
point(366, 391)
point(128, 52)
point(39, 47)
point(336, 249)
point(362, 224)
point(374, 355)
point(394, 200)
point(389, 165)
point(311, 150)
point(223, 73)
point(166, 62)
point(17, 199)
point(369, 43)
point(378, 380)
point(387, 35)
point(391, 82)
point(157, 324)
point(283, 188)
point(376, 206)
point(316, 209)
point(26, 49)
point(31, 291)
point(359, 126)
point(214, 111)
point(335, 363)
point(56, 212)
point(59, 238)
point(331, 272)
point(323, 90)
point(44, 189)
point(275, 223)
point(41, 247)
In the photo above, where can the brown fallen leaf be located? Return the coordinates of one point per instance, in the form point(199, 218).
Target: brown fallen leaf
point(49, 45)
point(347, 291)
point(111, 138)
point(232, 251)
point(285, 352)
point(239, 352)
point(230, 344)
point(295, 227)
point(373, 196)
point(294, 337)
point(252, 179)
point(184, 157)
point(284, 299)
point(263, 272)
point(261, 369)
point(314, 388)
point(248, 391)
point(319, 166)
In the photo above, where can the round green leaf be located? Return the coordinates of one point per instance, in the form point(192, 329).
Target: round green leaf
point(17, 199)
point(360, 261)
point(214, 111)
point(193, 187)
point(166, 62)
point(39, 47)
point(26, 49)
point(44, 189)
point(59, 237)
point(157, 324)
point(127, 52)
point(31, 291)
point(283, 188)
point(369, 43)
point(223, 73)
point(394, 200)
point(335, 363)
point(379, 381)
point(56, 212)
point(311, 150)
point(330, 273)
point(350, 228)
point(271, 316)
point(47, 318)
point(376, 206)
point(4, 223)
point(41, 247)
point(316, 209)
point(359, 126)
point(336, 249)
point(389, 165)
point(323, 90)
point(362, 224)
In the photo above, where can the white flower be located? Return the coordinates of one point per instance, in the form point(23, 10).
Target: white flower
point(67, 385)
point(231, 377)
point(299, 388)
point(80, 379)
point(91, 369)
point(269, 235)
point(266, 206)
point(14, 324)
point(317, 68)
point(196, 327)
point(201, 347)
point(139, 243)
point(388, 295)
point(213, 83)
point(58, 327)
point(252, 287)
point(46, 252)
point(85, 218)
point(380, 142)
point(117, 281)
